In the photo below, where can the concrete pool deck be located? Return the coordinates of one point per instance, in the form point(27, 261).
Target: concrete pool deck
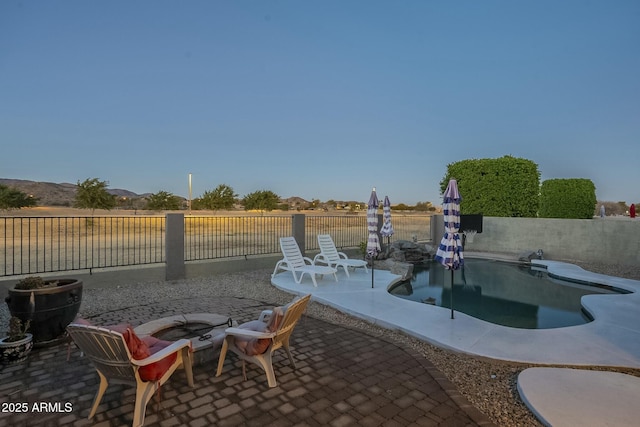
point(611, 340)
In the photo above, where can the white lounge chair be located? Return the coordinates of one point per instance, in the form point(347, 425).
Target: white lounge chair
point(294, 262)
point(330, 256)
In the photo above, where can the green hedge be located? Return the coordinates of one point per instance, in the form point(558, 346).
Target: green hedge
point(503, 187)
point(567, 198)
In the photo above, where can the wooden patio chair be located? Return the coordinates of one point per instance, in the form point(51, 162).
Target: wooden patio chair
point(110, 354)
point(256, 341)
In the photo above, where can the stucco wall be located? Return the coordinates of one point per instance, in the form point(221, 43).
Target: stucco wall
point(614, 240)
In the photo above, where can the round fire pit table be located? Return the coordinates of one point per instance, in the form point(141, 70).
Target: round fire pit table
point(200, 328)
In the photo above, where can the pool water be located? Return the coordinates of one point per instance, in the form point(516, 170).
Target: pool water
point(508, 294)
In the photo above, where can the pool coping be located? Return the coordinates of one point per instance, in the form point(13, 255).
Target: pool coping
point(612, 339)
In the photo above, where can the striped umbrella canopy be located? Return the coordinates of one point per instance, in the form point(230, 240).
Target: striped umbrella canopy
point(387, 227)
point(449, 252)
point(373, 244)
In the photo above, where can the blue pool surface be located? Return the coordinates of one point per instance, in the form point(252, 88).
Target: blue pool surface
point(502, 293)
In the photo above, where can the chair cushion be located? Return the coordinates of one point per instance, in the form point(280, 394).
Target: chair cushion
point(155, 371)
point(276, 318)
point(141, 349)
point(145, 347)
point(138, 348)
point(254, 346)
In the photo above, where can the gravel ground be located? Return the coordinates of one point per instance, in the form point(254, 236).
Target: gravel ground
point(488, 384)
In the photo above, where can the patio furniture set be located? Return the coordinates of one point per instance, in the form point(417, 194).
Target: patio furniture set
point(122, 354)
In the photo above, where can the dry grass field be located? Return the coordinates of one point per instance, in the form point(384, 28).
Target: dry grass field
point(48, 239)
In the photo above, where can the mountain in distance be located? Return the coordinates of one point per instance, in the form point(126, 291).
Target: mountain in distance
point(63, 194)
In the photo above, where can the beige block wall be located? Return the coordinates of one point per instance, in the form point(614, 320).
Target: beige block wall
point(613, 240)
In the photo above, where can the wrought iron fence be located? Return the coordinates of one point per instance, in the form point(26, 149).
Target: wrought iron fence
point(211, 237)
point(46, 244)
point(30, 245)
point(351, 231)
point(346, 231)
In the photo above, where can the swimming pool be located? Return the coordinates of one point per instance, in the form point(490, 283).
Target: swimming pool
point(503, 293)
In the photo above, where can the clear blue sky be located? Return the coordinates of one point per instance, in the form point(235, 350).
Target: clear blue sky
point(318, 99)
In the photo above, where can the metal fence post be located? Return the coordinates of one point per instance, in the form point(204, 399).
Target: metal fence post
point(436, 229)
point(297, 230)
point(174, 247)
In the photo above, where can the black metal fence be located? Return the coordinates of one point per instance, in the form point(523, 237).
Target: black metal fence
point(212, 237)
point(350, 231)
point(46, 244)
point(31, 245)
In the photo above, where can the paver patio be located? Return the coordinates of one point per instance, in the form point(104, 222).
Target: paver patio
point(344, 377)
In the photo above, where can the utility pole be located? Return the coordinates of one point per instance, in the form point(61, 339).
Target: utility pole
point(189, 194)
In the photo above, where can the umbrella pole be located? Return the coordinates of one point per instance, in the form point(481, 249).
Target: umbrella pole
point(372, 272)
point(452, 293)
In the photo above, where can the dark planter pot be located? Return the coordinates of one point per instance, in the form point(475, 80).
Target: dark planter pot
point(55, 307)
point(15, 351)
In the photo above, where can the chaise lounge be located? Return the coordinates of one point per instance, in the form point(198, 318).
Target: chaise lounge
point(330, 256)
point(294, 262)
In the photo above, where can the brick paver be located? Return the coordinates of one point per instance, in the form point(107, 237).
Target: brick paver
point(344, 377)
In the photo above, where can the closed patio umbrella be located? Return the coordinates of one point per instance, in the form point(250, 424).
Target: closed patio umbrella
point(387, 227)
point(449, 252)
point(373, 244)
